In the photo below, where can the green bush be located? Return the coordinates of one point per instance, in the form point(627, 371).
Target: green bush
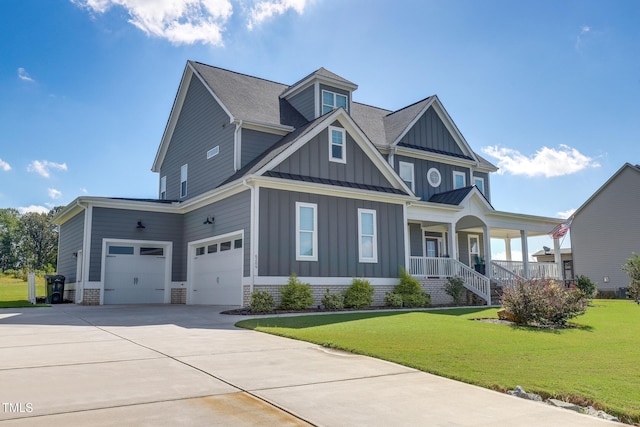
point(295, 295)
point(359, 294)
point(332, 301)
point(632, 268)
point(411, 291)
point(455, 288)
point(588, 288)
point(543, 302)
point(392, 299)
point(261, 302)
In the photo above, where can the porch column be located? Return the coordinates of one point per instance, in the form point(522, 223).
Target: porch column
point(451, 241)
point(507, 247)
point(525, 252)
point(487, 251)
point(557, 257)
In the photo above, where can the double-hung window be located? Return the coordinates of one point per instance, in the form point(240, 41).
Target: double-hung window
point(459, 180)
point(306, 231)
point(479, 182)
point(163, 188)
point(337, 145)
point(183, 181)
point(331, 101)
point(406, 173)
point(367, 236)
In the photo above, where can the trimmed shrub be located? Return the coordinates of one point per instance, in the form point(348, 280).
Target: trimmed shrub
point(543, 302)
point(295, 295)
point(392, 299)
point(411, 291)
point(632, 268)
point(359, 294)
point(455, 289)
point(333, 301)
point(261, 302)
point(588, 288)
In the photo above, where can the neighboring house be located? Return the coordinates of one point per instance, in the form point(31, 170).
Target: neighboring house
point(547, 255)
point(258, 180)
point(605, 230)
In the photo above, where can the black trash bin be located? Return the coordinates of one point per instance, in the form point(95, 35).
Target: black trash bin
point(55, 288)
point(622, 293)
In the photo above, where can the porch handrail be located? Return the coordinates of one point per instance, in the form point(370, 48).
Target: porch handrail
point(503, 275)
point(537, 270)
point(449, 267)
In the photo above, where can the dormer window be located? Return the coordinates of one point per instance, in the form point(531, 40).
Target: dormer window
point(331, 101)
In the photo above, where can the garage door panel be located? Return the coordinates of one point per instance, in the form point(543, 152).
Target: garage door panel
point(217, 273)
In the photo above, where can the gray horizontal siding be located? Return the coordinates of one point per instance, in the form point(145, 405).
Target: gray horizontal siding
point(121, 224)
point(312, 159)
point(605, 233)
point(423, 189)
point(202, 125)
point(337, 236)
point(303, 102)
point(231, 214)
point(255, 143)
point(70, 240)
point(430, 132)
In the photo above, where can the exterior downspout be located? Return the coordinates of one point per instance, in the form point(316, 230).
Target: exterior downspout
point(253, 255)
point(237, 139)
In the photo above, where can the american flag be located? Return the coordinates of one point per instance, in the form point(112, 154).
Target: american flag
point(560, 230)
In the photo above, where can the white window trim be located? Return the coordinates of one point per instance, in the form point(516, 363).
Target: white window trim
point(478, 178)
point(472, 259)
point(344, 145)
point(314, 238)
point(335, 95)
point(374, 258)
point(163, 188)
point(432, 183)
point(184, 172)
point(413, 176)
point(464, 179)
point(213, 152)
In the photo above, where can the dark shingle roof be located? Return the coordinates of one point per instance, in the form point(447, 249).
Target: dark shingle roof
point(371, 121)
point(396, 122)
point(455, 197)
point(294, 177)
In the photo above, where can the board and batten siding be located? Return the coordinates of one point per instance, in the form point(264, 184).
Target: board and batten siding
point(605, 232)
point(70, 238)
point(337, 236)
point(231, 214)
point(423, 189)
point(255, 143)
point(121, 224)
point(303, 102)
point(312, 159)
point(415, 238)
point(202, 125)
point(430, 132)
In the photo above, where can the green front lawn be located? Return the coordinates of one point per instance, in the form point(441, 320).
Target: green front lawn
point(597, 362)
point(14, 292)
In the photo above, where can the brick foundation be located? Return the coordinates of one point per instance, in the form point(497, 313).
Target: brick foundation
point(178, 296)
point(70, 295)
point(91, 297)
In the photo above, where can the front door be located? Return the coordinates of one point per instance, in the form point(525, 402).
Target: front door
point(432, 247)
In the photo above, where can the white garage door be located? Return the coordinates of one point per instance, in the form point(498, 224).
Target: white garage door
point(134, 274)
point(217, 273)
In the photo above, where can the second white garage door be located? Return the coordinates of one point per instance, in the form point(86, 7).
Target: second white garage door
point(217, 272)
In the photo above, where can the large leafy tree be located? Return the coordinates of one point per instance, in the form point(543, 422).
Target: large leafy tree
point(632, 268)
point(9, 238)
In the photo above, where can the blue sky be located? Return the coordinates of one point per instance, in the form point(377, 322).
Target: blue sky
point(549, 91)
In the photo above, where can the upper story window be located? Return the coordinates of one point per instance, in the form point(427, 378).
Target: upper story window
point(433, 177)
point(459, 179)
point(479, 182)
point(331, 101)
point(183, 181)
point(406, 173)
point(163, 188)
point(368, 240)
point(213, 152)
point(337, 145)
point(306, 231)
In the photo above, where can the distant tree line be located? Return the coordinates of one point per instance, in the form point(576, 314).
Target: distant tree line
point(28, 242)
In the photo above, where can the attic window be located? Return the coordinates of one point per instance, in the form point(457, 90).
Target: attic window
point(337, 149)
point(331, 101)
point(213, 152)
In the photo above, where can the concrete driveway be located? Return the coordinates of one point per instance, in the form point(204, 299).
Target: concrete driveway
point(188, 365)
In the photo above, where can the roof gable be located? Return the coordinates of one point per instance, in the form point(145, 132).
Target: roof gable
point(461, 196)
point(323, 76)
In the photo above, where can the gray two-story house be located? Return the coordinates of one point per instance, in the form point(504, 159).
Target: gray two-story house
point(258, 180)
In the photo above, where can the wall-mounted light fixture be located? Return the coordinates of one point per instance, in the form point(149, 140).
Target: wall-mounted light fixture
point(209, 220)
point(140, 226)
point(75, 254)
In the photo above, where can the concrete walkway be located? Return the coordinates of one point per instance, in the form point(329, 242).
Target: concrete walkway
point(188, 365)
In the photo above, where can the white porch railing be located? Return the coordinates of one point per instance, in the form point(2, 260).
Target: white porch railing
point(449, 267)
point(504, 276)
point(537, 270)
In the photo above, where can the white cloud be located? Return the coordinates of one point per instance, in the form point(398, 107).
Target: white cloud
point(584, 30)
point(547, 162)
point(33, 208)
point(84, 190)
point(23, 75)
point(179, 21)
point(43, 167)
point(4, 166)
point(566, 214)
point(264, 10)
point(54, 194)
